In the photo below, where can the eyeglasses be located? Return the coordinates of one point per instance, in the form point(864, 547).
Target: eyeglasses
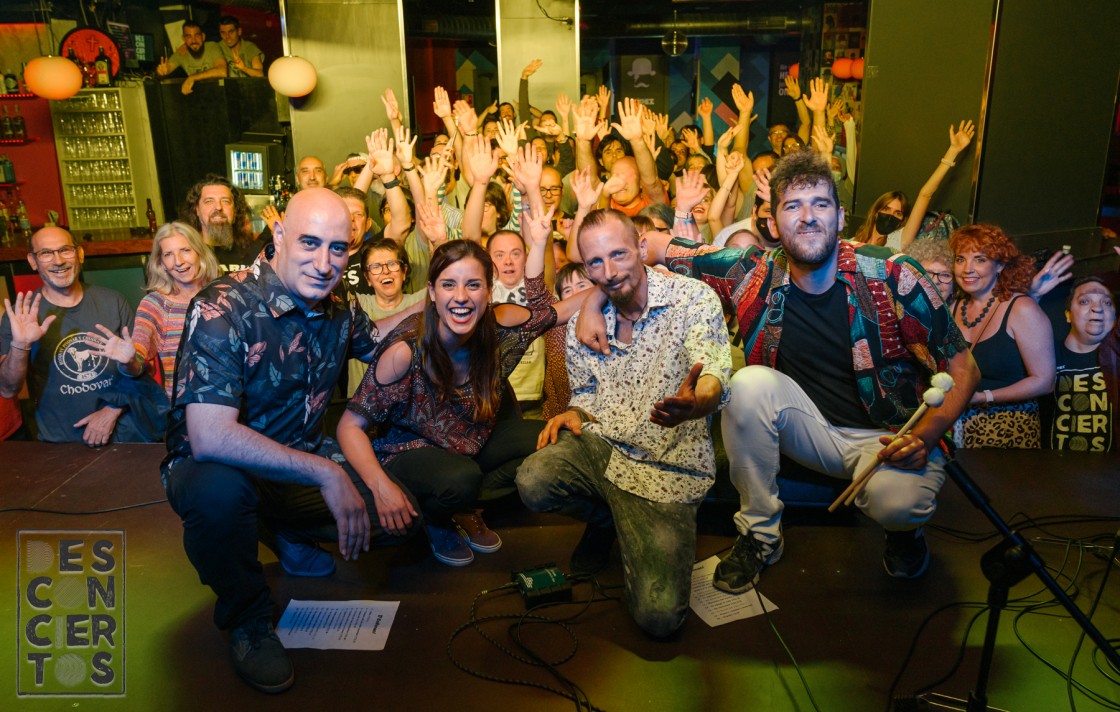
point(379, 267)
point(64, 253)
point(779, 133)
point(554, 190)
point(942, 277)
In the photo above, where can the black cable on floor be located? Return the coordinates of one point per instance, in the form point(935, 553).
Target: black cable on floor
point(571, 690)
point(83, 513)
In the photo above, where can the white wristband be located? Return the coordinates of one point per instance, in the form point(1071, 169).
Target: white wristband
point(988, 398)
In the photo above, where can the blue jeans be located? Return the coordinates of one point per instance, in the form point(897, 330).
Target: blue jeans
point(220, 506)
point(657, 540)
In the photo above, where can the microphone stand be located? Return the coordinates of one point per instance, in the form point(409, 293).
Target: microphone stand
point(1007, 563)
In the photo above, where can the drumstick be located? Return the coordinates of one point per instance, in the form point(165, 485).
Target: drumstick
point(934, 396)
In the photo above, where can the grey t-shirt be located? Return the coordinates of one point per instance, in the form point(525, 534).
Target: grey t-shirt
point(248, 52)
point(211, 53)
point(65, 378)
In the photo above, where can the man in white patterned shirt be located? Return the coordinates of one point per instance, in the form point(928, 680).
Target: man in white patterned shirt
point(632, 456)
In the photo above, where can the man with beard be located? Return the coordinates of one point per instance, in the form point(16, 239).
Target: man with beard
point(630, 456)
point(243, 58)
point(217, 209)
point(198, 58)
point(51, 337)
point(840, 342)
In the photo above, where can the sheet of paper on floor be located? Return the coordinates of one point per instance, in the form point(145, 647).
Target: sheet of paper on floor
point(717, 607)
point(337, 625)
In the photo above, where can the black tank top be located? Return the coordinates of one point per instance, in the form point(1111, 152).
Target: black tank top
point(998, 357)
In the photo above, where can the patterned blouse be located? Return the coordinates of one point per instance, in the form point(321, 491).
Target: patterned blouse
point(412, 409)
point(901, 331)
point(156, 331)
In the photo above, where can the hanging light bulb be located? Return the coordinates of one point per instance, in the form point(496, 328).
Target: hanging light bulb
point(292, 76)
point(52, 77)
point(674, 43)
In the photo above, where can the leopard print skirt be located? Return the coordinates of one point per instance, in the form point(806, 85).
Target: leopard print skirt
point(1000, 425)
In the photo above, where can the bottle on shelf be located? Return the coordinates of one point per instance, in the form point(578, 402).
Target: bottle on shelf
point(7, 170)
point(103, 68)
point(5, 125)
point(4, 235)
point(24, 218)
point(89, 74)
point(19, 126)
point(11, 82)
point(151, 218)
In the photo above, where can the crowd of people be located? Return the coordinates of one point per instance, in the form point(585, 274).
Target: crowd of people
point(545, 306)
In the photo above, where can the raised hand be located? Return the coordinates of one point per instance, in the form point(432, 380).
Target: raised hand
point(380, 148)
point(587, 119)
point(392, 109)
point(406, 143)
point(465, 117)
point(23, 319)
point(441, 104)
point(691, 189)
point(629, 124)
point(536, 229)
point(793, 89)
point(119, 348)
point(509, 134)
point(705, 107)
point(1056, 270)
point(524, 167)
point(691, 139)
point(676, 409)
point(724, 141)
point(818, 95)
point(430, 222)
point(483, 161)
point(663, 130)
point(732, 165)
point(587, 188)
point(762, 183)
point(744, 102)
point(563, 107)
point(531, 68)
point(822, 141)
point(960, 138)
point(604, 98)
point(165, 67)
point(433, 174)
point(651, 144)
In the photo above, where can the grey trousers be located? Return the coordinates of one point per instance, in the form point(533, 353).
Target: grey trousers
point(657, 540)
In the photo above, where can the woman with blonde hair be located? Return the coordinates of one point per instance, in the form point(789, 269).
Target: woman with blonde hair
point(1011, 339)
point(179, 266)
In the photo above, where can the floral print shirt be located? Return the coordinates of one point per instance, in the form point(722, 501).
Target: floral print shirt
point(901, 331)
point(250, 346)
point(682, 325)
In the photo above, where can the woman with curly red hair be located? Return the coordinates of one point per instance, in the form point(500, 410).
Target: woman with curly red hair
point(1011, 340)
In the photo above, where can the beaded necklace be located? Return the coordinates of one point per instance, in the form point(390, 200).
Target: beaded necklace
point(964, 313)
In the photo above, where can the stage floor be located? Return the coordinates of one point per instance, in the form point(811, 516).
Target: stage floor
point(848, 625)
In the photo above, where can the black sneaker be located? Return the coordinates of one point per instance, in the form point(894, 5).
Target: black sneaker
point(259, 656)
point(593, 552)
point(739, 570)
point(906, 554)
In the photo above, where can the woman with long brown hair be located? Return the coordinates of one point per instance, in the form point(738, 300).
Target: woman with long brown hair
point(437, 386)
point(1011, 338)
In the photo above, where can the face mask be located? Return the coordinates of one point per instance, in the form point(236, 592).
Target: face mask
point(762, 227)
point(885, 223)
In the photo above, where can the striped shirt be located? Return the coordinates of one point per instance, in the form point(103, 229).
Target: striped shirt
point(156, 332)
